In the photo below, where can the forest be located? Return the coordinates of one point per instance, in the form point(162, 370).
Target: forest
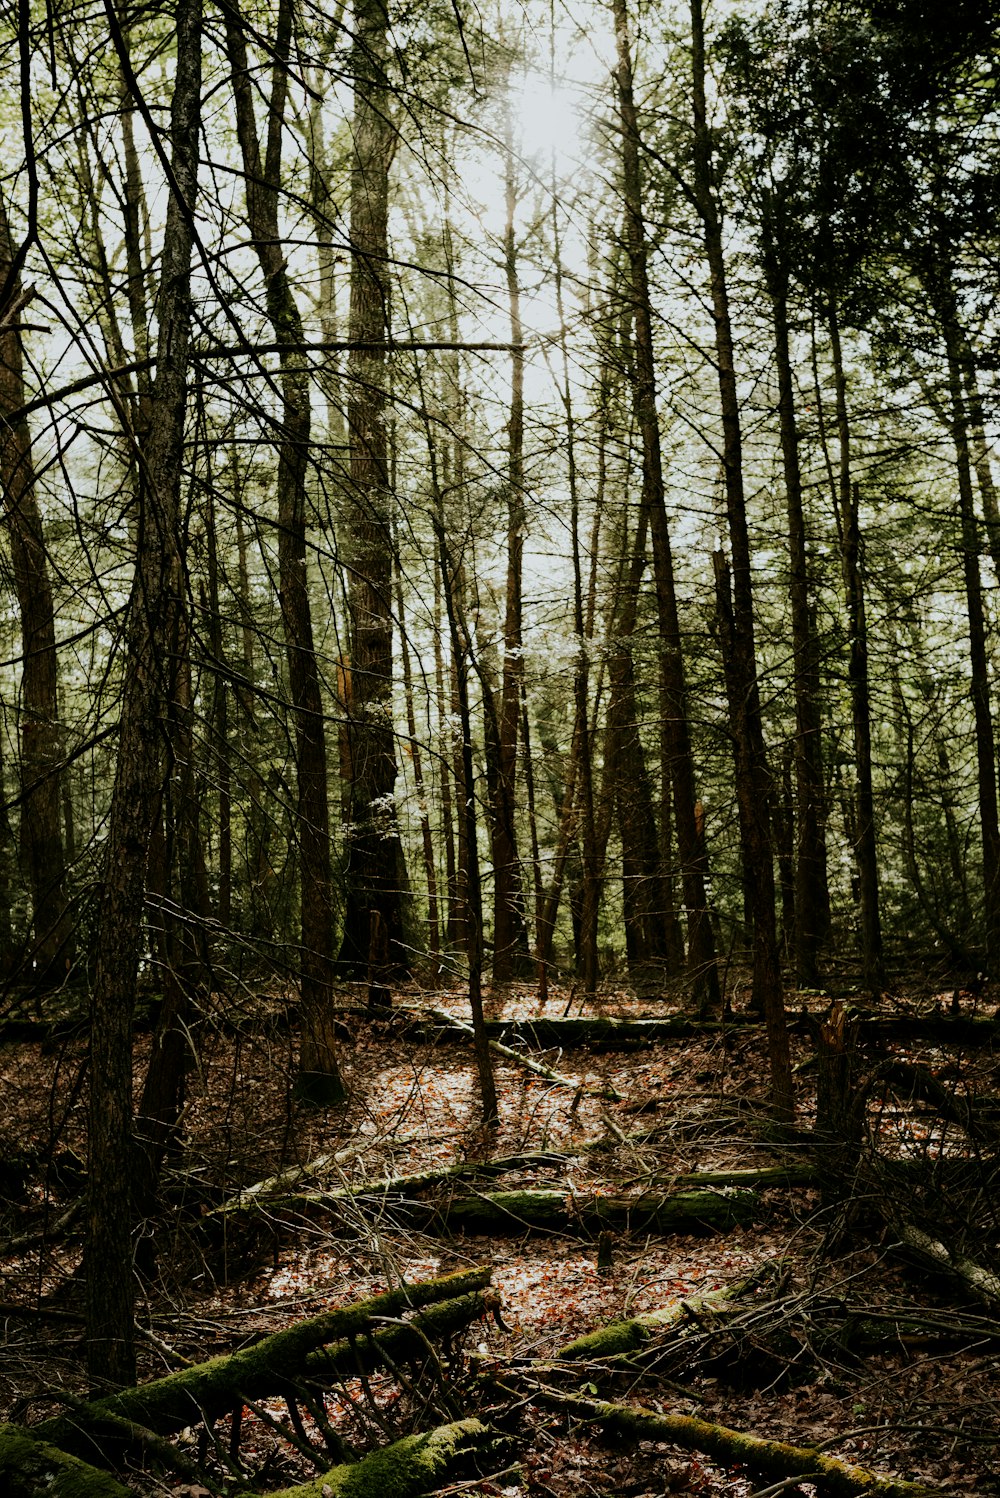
point(499, 781)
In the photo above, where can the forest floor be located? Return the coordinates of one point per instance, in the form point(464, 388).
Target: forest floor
point(794, 1359)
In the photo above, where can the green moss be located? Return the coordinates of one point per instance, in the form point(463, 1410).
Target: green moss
point(417, 1464)
point(31, 1469)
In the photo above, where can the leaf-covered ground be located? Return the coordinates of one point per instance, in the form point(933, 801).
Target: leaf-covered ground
point(798, 1358)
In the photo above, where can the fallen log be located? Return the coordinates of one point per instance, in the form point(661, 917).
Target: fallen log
point(509, 1212)
point(980, 1284)
point(635, 1332)
point(399, 1343)
point(599, 1032)
point(31, 1468)
point(776, 1459)
point(207, 1390)
point(407, 1469)
point(556, 1078)
point(387, 1186)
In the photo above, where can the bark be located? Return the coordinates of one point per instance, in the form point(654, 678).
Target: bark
point(734, 600)
point(208, 1390)
point(848, 502)
point(374, 873)
point(702, 970)
point(460, 647)
point(509, 940)
point(943, 297)
point(812, 895)
point(319, 1073)
point(775, 1459)
point(156, 609)
point(978, 1283)
point(42, 848)
point(515, 1212)
point(423, 815)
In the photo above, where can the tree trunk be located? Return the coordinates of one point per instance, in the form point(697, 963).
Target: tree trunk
point(702, 969)
point(509, 939)
point(156, 608)
point(812, 896)
point(851, 554)
point(42, 848)
point(319, 1074)
point(734, 597)
point(943, 297)
point(374, 876)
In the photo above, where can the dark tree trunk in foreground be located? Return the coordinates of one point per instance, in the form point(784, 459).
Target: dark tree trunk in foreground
point(375, 874)
point(156, 609)
point(701, 943)
point(734, 596)
point(41, 777)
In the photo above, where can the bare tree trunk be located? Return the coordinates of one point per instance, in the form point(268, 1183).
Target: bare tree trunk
point(734, 598)
point(430, 872)
point(375, 875)
point(812, 896)
point(851, 556)
point(156, 609)
point(673, 689)
point(319, 1073)
point(509, 941)
point(42, 847)
point(943, 298)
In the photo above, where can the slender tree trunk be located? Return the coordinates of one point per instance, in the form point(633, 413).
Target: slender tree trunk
point(851, 555)
point(430, 871)
point(375, 876)
point(319, 1074)
point(509, 940)
point(42, 847)
point(156, 607)
point(673, 689)
point(811, 892)
point(734, 597)
point(943, 297)
point(460, 648)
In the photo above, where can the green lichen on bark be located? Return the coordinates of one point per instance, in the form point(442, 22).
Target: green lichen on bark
point(34, 1469)
point(417, 1464)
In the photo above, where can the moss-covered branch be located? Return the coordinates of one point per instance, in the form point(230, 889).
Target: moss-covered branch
point(209, 1389)
point(628, 1336)
point(31, 1468)
point(776, 1459)
point(408, 1468)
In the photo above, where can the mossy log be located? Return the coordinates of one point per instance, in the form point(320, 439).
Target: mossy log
point(408, 1468)
point(272, 1192)
point(208, 1389)
point(31, 1468)
point(558, 1079)
point(515, 1212)
point(774, 1459)
point(394, 1344)
point(599, 1032)
point(631, 1335)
